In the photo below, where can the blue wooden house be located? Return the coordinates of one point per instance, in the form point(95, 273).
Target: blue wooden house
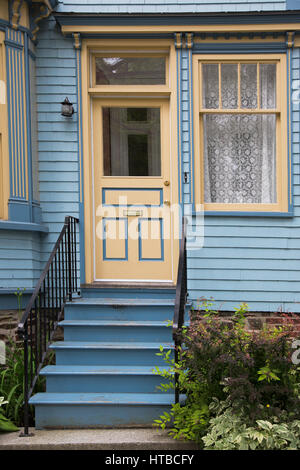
point(120, 120)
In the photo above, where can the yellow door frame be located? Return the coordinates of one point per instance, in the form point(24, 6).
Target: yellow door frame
point(90, 91)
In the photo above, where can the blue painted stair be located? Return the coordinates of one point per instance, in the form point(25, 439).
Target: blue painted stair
point(103, 375)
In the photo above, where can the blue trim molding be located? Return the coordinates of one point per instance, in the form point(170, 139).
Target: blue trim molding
point(21, 206)
point(16, 113)
point(27, 227)
point(239, 48)
point(141, 258)
point(159, 190)
point(184, 45)
point(77, 47)
point(105, 258)
point(245, 214)
point(175, 19)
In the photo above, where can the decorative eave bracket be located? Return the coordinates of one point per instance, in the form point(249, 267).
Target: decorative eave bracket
point(15, 13)
point(42, 10)
point(290, 39)
point(76, 40)
point(183, 40)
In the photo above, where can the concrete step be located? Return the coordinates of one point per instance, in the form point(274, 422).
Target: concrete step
point(80, 410)
point(108, 330)
point(91, 379)
point(128, 439)
point(109, 353)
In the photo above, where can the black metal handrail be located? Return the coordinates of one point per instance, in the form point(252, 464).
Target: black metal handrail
point(180, 300)
point(45, 308)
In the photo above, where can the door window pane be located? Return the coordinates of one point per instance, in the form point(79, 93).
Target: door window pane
point(131, 141)
point(130, 70)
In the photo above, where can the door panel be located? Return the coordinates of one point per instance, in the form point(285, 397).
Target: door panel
point(132, 214)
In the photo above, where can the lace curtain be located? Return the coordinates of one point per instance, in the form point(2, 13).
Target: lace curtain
point(239, 149)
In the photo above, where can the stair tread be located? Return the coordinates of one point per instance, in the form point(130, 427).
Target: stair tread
point(98, 370)
point(109, 345)
point(119, 301)
point(112, 323)
point(102, 398)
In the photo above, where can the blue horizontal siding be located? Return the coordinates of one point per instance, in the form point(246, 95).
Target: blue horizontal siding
point(167, 6)
point(57, 135)
point(20, 263)
point(254, 260)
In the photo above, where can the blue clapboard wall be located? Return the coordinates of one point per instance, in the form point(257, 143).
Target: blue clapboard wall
point(57, 135)
point(20, 263)
point(251, 259)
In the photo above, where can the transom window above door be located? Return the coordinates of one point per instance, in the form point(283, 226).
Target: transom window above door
point(130, 70)
point(242, 134)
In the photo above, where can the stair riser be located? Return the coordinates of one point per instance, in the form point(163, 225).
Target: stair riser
point(134, 293)
point(105, 383)
point(93, 416)
point(118, 333)
point(138, 357)
point(125, 313)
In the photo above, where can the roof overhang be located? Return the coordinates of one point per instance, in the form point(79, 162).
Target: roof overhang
point(281, 21)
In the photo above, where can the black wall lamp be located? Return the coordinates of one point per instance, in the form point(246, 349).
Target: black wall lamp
point(67, 109)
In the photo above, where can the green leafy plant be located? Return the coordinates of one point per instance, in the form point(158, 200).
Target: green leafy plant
point(230, 430)
point(5, 424)
point(187, 420)
point(266, 373)
point(12, 383)
point(19, 293)
point(222, 361)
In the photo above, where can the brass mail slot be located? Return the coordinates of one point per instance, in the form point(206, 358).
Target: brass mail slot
point(132, 213)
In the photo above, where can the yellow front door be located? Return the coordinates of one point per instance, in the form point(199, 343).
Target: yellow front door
point(132, 190)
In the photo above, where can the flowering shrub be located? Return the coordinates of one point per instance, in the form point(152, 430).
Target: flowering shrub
point(251, 372)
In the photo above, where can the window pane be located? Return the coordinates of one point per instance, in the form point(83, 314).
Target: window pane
point(240, 158)
point(131, 141)
point(267, 86)
point(210, 88)
point(137, 114)
point(249, 86)
point(229, 86)
point(130, 71)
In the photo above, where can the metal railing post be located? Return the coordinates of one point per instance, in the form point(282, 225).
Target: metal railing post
point(180, 302)
point(69, 256)
point(25, 385)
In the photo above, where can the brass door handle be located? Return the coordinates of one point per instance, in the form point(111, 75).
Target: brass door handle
point(167, 203)
point(167, 183)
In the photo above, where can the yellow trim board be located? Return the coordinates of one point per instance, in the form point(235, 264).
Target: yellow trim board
point(89, 93)
point(4, 151)
point(227, 28)
point(281, 131)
